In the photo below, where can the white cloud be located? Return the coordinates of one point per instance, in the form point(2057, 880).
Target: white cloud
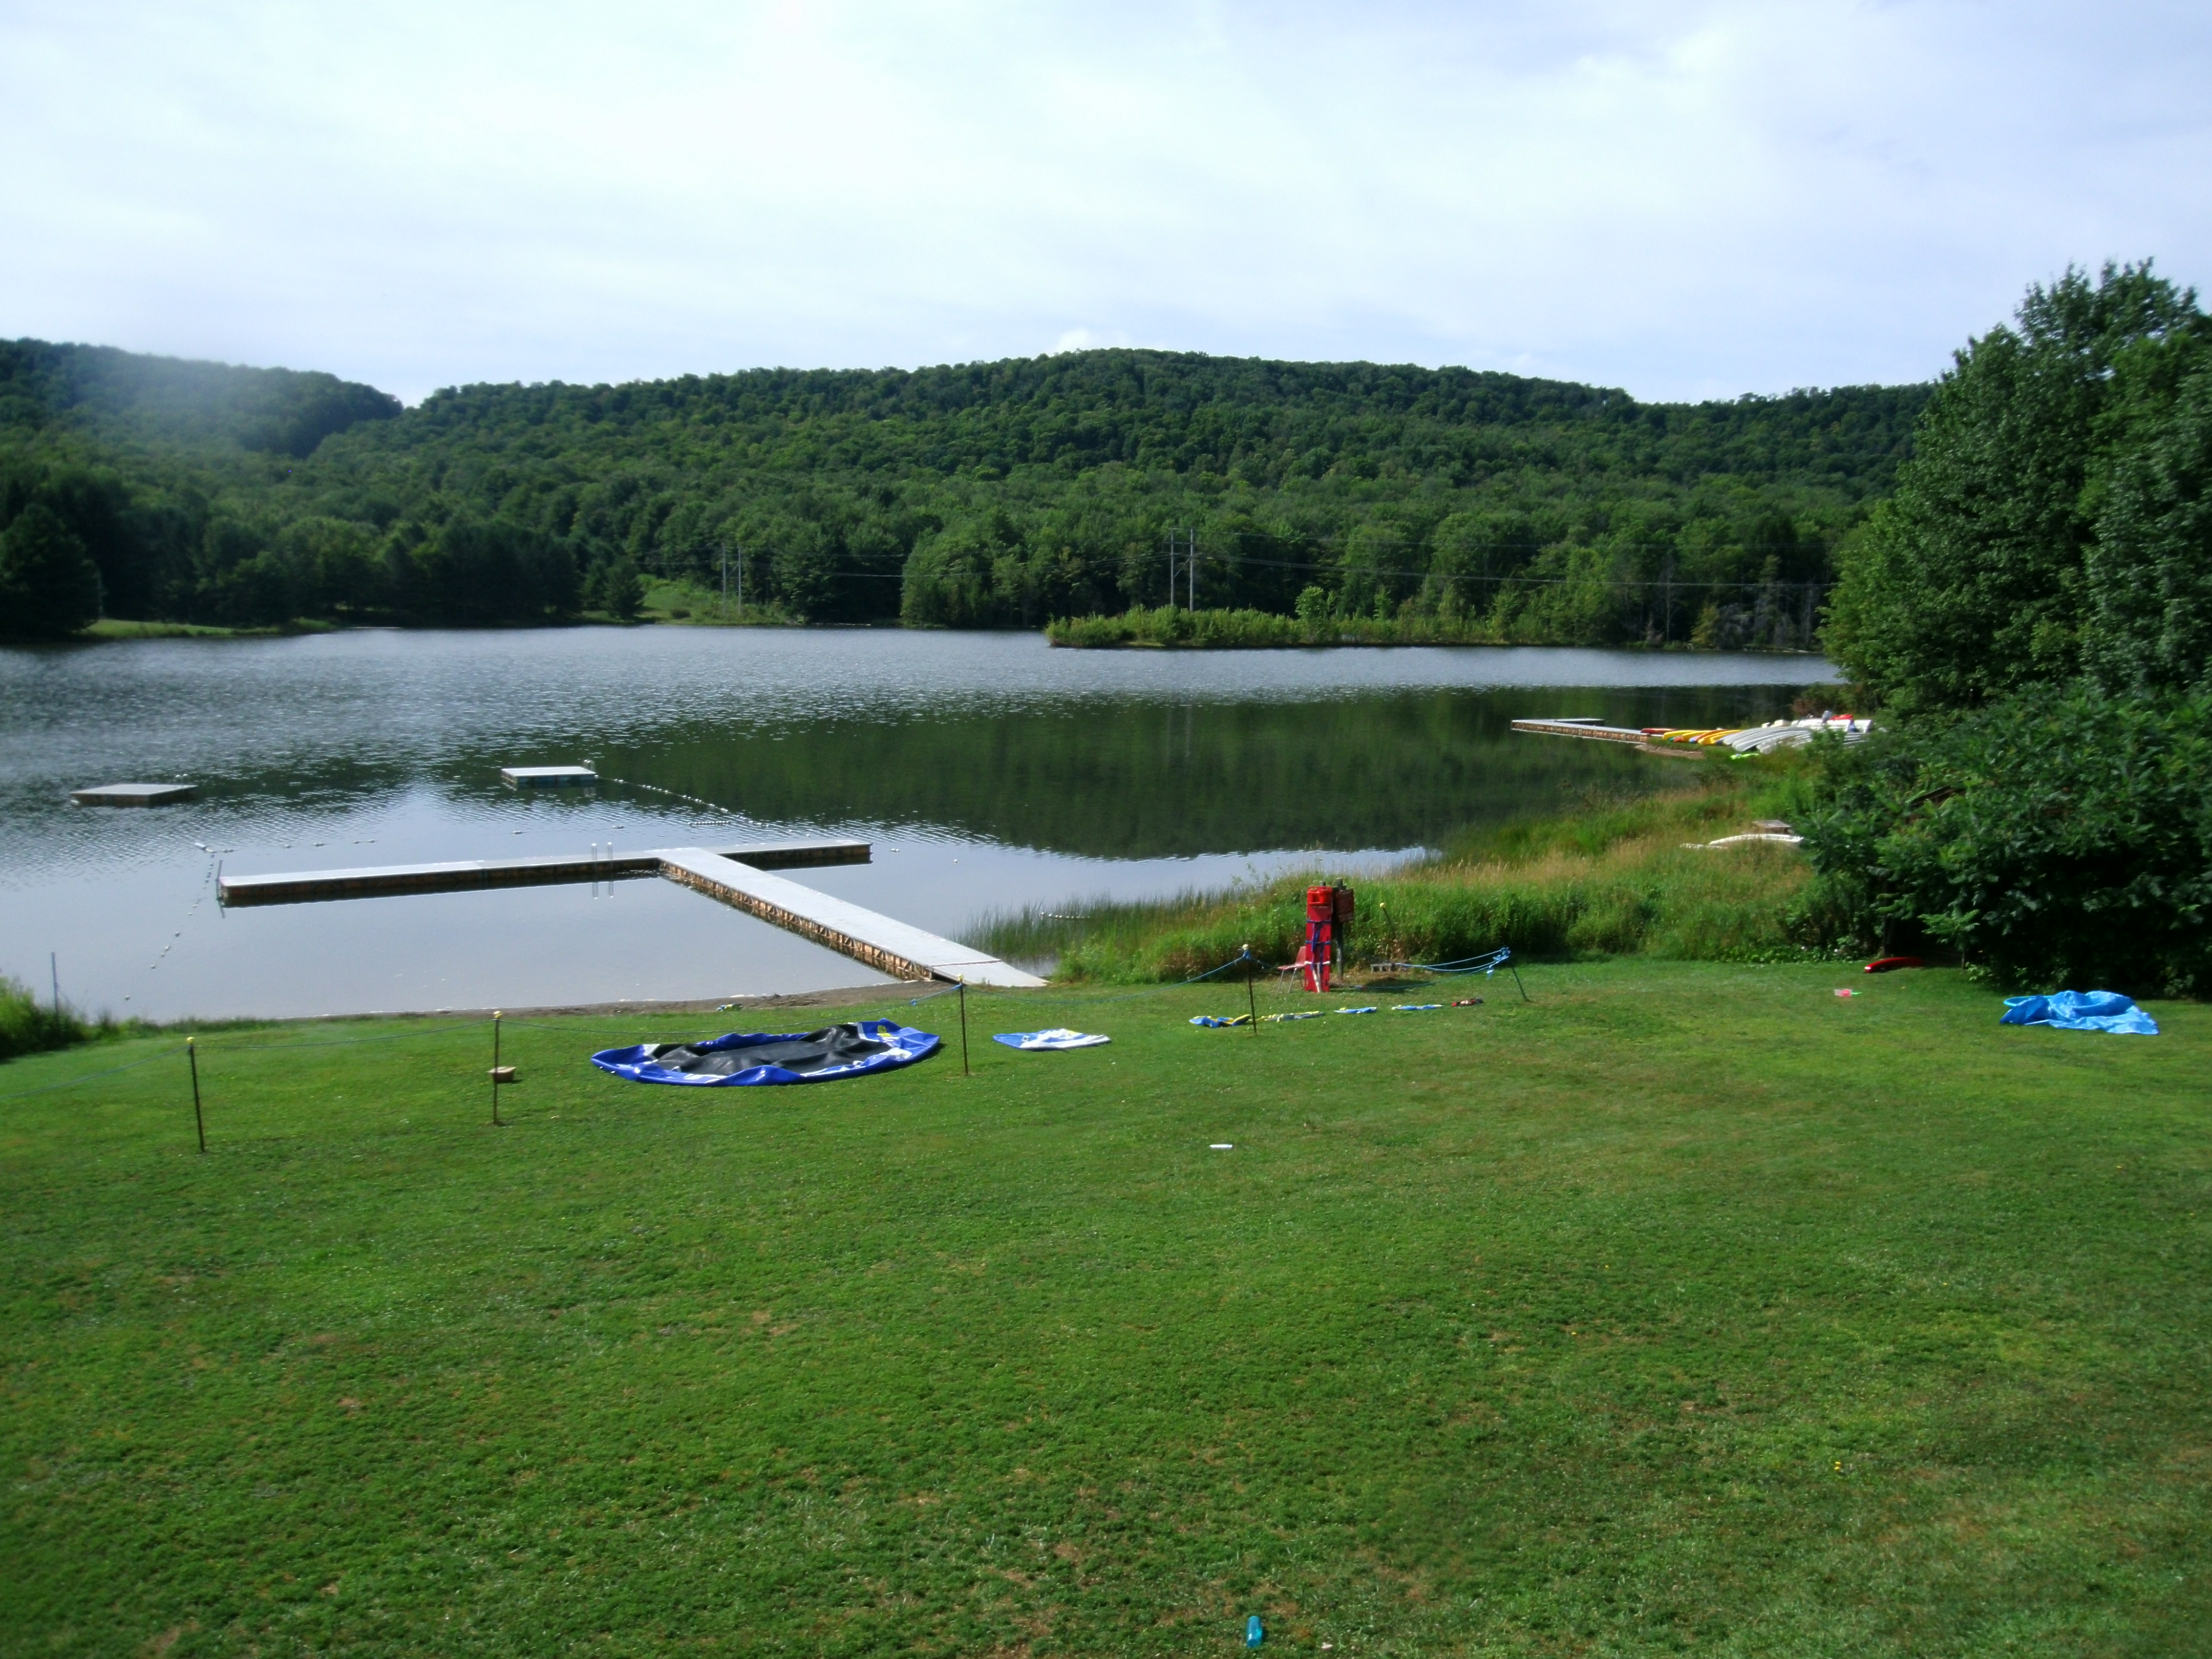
point(1686, 200)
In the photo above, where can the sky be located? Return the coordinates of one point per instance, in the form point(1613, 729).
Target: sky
point(1683, 200)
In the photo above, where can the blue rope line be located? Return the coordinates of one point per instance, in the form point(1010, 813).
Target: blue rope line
point(1483, 964)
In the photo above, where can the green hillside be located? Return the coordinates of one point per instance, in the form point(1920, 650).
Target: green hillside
point(981, 494)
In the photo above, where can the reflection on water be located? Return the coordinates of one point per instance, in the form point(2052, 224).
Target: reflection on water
point(990, 771)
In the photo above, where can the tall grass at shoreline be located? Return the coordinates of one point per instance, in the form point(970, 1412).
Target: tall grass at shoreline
point(28, 1026)
point(1261, 630)
point(1614, 879)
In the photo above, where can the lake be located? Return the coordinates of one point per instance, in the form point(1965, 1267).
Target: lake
point(990, 771)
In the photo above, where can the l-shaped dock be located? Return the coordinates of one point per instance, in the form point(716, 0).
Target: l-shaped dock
point(736, 876)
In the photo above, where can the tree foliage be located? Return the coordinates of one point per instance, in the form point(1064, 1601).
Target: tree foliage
point(49, 585)
point(982, 495)
point(2051, 838)
point(2051, 515)
point(2034, 605)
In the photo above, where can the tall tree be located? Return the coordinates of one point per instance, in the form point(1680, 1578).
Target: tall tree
point(49, 585)
point(1970, 582)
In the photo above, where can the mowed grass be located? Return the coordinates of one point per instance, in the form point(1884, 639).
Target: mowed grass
point(1685, 1308)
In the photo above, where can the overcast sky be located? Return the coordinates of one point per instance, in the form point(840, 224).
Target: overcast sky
point(1687, 200)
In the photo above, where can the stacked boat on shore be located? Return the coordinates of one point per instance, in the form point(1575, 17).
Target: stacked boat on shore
point(1775, 734)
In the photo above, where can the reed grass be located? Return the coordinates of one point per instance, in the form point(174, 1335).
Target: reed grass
point(28, 1026)
point(1615, 879)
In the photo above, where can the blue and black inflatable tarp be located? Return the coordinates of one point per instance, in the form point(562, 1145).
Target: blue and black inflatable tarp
point(745, 1059)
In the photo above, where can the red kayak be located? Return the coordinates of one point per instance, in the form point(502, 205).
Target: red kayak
point(1885, 965)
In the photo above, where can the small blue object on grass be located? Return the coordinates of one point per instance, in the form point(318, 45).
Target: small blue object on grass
point(1220, 1025)
point(2082, 1011)
point(1253, 1634)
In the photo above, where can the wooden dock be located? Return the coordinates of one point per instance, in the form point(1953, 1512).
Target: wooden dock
point(463, 875)
point(736, 876)
point(1575, 728)
point(888, 946)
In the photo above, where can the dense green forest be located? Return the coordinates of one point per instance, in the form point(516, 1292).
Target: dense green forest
point(2033, 608)
point(988, 494)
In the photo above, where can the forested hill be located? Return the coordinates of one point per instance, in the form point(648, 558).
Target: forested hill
point(99, 390)
point(989, 494)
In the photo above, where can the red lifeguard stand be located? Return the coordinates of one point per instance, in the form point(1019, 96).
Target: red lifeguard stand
point(1328, 927)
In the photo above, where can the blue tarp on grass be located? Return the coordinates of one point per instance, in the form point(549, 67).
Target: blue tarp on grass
point(744, 1059)
point(2082, 1011)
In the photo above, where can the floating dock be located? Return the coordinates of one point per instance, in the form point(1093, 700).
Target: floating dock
point(1582, 728)
point(466, 875)
point(736, 875)
point(135, 795)
point(888, 946)
point(542, 777)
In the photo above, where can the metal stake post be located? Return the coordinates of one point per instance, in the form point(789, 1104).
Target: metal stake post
point(964, 1071)
point(199, 1123)
point(1251, 997)
point(497, 1124)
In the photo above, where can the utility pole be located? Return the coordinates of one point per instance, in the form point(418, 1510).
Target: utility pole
point(725, 581)
point(1183, 542)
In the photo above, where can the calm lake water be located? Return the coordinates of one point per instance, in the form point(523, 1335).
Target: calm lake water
point(990, 771)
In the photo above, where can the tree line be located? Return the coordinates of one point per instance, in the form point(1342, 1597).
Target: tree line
point(998, 495)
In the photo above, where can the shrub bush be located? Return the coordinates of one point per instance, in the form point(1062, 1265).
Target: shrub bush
point(2054, 839)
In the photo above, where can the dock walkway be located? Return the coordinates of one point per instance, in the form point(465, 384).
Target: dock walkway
point(465, 875)
point(736, 875)
point(887, 945)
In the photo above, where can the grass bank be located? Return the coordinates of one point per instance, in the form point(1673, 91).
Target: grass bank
point(1613, 878)
point(1687, 1307)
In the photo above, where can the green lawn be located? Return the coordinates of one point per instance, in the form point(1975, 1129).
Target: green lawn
point(1685, 1308)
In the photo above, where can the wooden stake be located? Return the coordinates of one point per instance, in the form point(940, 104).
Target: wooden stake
point(1251, 997)
point(199, 1123)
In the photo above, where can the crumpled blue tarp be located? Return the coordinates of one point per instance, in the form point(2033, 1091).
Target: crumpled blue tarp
point(2082, 1011)
point(875, 1045)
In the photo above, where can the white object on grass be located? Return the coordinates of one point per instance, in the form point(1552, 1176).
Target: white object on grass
point(1058, 1038)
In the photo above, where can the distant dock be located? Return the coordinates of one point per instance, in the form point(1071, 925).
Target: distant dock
point(1582, 728)
point(736, 876)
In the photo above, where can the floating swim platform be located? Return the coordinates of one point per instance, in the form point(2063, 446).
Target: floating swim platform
point(135, 795)
point(547, 777)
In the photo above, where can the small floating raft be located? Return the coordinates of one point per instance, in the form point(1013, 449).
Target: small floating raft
point(134, 794)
